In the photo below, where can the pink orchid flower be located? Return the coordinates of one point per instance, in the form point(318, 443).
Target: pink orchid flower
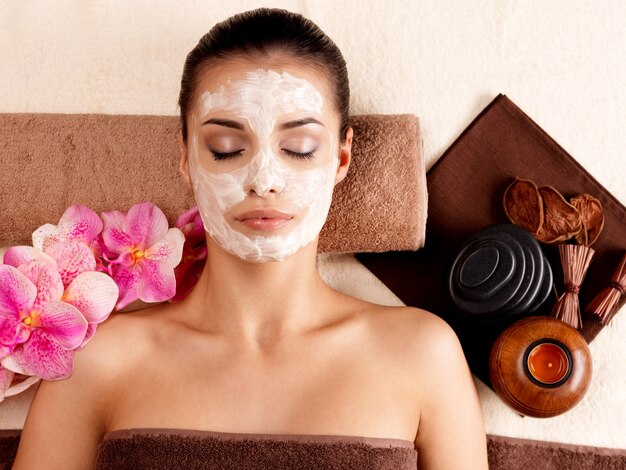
point(75, 264)
point(194, 253)
point(78, 224)
point(38, 328)
point(147, 253)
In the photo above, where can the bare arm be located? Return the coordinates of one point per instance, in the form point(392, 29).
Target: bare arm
point(65, 423)
point(451, 433)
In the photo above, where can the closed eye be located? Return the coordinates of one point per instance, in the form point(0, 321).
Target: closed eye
point(226, 155)
point(304, 156)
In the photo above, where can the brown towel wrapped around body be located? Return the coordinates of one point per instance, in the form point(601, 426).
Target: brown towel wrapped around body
point(189, 449)
point(505, 453)
point(109, 162)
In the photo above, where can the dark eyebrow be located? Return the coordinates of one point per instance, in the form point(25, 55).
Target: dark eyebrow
point(225, 122)
point(299, 122)
point(287, 125)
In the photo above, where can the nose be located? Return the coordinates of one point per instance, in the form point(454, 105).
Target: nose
point(264, 182)
point(264, 176)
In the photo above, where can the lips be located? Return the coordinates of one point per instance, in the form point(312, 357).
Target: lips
point(263, 214)
point(264, 219)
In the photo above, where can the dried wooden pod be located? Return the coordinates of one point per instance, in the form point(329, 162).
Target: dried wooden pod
point(592, 217)
point(582, 237)
point(523, 205)
point(561, 220)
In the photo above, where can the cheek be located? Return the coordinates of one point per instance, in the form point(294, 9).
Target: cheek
point(216, 192)
point(305, 187)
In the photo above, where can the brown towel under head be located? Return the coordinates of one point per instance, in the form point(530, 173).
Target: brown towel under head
point(190, 449)
point(49, 162)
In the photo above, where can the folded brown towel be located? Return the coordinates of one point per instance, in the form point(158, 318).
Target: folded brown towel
point(50, 161)
point(465, 189)
point(180, 448)
point(512, 453)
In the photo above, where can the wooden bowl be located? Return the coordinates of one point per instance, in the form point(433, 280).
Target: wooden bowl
point(540, 366)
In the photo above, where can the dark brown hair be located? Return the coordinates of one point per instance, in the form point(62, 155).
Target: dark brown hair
point(262, 32)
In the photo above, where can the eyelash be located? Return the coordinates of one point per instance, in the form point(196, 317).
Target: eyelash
point(226, 155)
point(303, 156)
point(236, 153)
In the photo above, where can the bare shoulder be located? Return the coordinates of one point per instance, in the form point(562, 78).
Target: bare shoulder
point(420, 332)
point(423, 345)
point(118, 340)
point(451, 432)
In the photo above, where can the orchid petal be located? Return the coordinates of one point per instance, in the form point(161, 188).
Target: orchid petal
point(169, 249)
point(127, 279)
point(100, 249)
point(117, 241)
point(17, 255)
point(114, 233)
point(187, 275)
point(10, 330)
point(23, 333)
point(146, 224)
point(73, 258)
point(80, 223)
point(113, 219)
point(191, 225)
point(93, 294)
point(187, 217)
point(42, 356)
point(6, 377)
point(64, 322)
point(91, 330)
point(193, 235)
point(157, 282)
point(21, 386)
point(11, 362)
point(46, 279)
point(43, 233)
point(17, 292)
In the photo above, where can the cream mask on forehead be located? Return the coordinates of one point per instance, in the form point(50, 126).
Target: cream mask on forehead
point(261, 98)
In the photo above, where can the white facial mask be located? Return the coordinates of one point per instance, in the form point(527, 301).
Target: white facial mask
point(261, 98)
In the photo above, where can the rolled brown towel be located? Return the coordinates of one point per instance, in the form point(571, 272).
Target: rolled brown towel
point(49, 162)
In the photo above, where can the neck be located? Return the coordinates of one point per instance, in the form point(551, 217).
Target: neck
point(258, 304)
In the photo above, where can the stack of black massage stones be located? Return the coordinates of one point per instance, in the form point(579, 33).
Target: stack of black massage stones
point(499, 273)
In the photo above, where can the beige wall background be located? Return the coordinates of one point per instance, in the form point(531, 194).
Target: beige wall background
point(561, 61)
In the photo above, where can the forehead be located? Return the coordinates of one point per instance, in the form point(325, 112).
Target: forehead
point(284, 86)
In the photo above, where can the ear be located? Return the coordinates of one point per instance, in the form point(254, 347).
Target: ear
point(345, 156)
point(183, 167)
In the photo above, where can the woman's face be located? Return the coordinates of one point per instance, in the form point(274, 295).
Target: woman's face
point(263, 139)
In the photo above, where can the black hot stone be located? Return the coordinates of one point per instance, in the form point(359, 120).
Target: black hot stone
point(544, 289)
point(499, 271)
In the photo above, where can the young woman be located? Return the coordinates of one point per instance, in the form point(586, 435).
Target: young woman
point(262, 345)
